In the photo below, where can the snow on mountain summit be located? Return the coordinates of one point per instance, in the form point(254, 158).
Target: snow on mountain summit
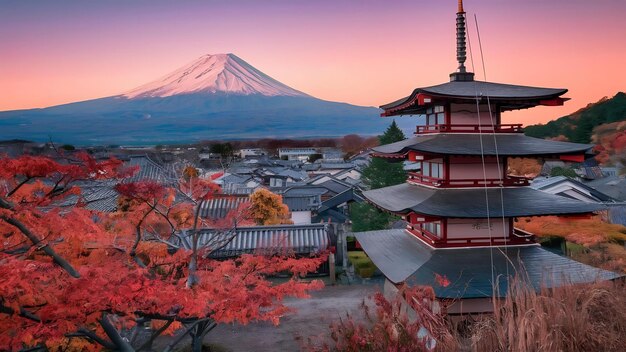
point(219, 73)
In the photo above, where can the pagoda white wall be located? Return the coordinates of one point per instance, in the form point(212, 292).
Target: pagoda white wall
point(477, 228)
point(474, 171)
point(465, 114)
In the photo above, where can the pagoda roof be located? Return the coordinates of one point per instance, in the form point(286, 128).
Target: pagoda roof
point(472, 203)
point(509, 96)
point(404, 258)
point(513, 144)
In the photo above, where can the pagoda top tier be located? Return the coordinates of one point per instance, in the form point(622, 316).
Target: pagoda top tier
point(462, 88)
point(506, 96)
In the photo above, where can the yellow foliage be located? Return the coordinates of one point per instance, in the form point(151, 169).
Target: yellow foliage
point(190, 172)
point(525, 167)
point(267, 208)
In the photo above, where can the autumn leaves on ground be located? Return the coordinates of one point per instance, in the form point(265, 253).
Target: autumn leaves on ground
point(74, 279)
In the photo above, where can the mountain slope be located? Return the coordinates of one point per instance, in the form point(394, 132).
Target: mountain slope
point(578, 126)
point(225, 73)
point(214, 97)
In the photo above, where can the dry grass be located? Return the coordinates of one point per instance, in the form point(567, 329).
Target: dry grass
point(574, 318)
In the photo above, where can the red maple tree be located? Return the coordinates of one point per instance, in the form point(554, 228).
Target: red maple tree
point(77, 279)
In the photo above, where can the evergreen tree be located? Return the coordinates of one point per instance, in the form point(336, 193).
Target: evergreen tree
point(392, 134)
point(378, 174)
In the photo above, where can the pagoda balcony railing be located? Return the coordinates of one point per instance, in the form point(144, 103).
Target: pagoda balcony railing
point(469, 128)
point(520, 237)
point(509, 181)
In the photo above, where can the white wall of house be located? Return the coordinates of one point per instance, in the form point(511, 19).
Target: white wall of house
point(296, 153)
point(246, 152)
point(276, 182)
point(301, 217)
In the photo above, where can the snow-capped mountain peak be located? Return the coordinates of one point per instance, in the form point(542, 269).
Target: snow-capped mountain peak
point(219, 73)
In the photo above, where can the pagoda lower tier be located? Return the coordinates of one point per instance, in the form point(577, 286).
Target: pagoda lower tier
point(471, 273)
point(453, 217)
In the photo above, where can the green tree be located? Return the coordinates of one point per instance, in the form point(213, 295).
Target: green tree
point(366, 217)
point(378, 174)
point(392, 134)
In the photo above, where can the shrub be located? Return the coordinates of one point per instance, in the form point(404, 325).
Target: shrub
point(390, 327)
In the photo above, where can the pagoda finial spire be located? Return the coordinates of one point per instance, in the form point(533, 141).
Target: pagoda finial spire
point(461, 74)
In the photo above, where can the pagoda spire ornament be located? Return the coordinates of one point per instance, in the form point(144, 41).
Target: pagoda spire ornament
point(461, 55)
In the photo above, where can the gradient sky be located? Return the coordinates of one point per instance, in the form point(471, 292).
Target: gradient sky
point(362, 52)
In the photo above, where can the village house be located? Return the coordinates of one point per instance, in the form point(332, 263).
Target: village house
point(301, 154)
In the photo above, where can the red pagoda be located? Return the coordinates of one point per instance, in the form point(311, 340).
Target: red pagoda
point(460, 204)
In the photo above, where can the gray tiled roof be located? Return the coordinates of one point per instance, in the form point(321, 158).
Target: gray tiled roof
point(495, 91)
point(302, 203)
point(337, 165)
point(301, 239)
point(346, 196)
point(101, 198)
point(547, 183)
point(470, 144)
point(404, 258)
point(303, 190)
point(614, 186)
point(335, 186)
point(151, 171)
point(219, 206)
point(471, 203)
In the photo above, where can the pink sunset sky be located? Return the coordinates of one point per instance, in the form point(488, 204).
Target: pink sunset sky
point(362, 52)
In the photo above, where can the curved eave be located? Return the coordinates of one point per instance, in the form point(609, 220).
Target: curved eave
point(509, 97)
point(472, 203)
point(480, 144)
point(403, 258)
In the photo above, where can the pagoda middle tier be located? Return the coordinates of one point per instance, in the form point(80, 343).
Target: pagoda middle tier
point(465, 217)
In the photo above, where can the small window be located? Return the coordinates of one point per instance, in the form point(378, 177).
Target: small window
point(433, 228)
point(436, 115)
point(441, 118)
point(434, 170)
point(426, 168)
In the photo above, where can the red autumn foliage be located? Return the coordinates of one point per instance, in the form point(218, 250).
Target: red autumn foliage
point(75, 278)
point(442, 280)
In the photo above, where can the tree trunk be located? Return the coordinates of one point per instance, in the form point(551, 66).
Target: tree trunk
point(196, 343)
point(110, 330)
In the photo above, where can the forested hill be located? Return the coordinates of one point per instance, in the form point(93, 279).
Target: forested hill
point(578, 127)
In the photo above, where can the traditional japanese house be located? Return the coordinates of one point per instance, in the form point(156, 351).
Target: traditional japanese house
point(460, 204)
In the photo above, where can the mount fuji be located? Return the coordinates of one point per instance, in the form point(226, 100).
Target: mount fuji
point(214, 97)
